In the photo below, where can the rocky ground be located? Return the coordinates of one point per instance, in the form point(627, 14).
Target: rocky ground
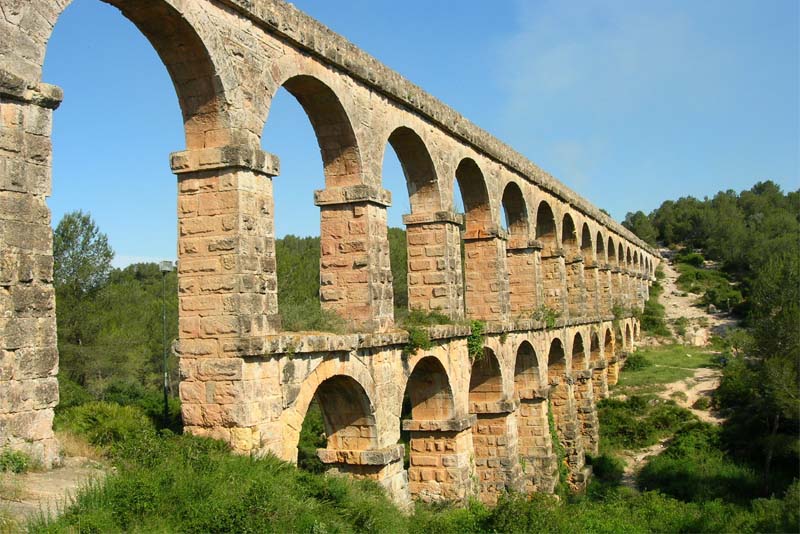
point(41, 493)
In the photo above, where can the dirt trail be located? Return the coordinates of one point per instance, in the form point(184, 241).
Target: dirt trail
point(679, 304)
point(29, 495)
point(685, 392)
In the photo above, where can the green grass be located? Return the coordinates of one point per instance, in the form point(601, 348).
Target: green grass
point(670, 363)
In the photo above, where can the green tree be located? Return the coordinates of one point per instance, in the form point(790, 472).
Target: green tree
point(81, 254)
point(640, 224)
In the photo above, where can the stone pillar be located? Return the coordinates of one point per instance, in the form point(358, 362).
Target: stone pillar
point(613, 370)
point(486, 277)
point(522, 281)
point(576, 298)
point(494, 438)
point(606, 291)
point(625, 288)
point(539, 463)
point(441, 451)
point(384, 466)
point(434, 262)
point(587, 411)
point(28, 346)
point(554, 283)
point(355, 269)
point(591, 278)
point(617, 292)
point(565, 416)
point(600, 379)
point(227, 290)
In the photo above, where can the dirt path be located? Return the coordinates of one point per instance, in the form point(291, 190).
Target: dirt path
point(678, 304)
point(685, 392)
point(26, 496)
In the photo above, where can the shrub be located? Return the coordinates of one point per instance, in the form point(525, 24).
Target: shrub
point(637, 362)
point(475, 340)
point(14, 461)
point(703, 403)
point(71, 393)
point(695, 468)
point(680, 325)
point(694, 259)
point(106, 423)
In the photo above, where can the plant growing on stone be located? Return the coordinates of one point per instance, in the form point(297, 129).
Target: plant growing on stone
point(475, 340)
point(545, 314)
point(418, 338)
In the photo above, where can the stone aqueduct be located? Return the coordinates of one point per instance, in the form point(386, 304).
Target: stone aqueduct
point(478, 425)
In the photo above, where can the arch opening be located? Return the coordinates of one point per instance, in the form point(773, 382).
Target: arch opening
point(486, 381)
point(526, 372)
point(569, 238)
point(338, 418)
point(515, 211)
point(546, 229)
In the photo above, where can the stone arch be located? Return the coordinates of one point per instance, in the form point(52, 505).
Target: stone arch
point(494, 430)
point(608, 344)
point(621, 255)
point(292, 417)
point(341, 157)
point(428, 388)
point(348, 414)
point(184, 41)
point(628, 336)
point(533, 429)
point(437, 453)
point(636, 265)
point(594, 348)
point(586, 241)
point(486, 379)
point(557, 365)
point(418, 168)
point(546, 229)
point(569, 236)
point(579, 353)
point(515, 210)
point(477, 208)
point(612, 252)
point(628, 258)
point(526, 372)
point(600, 249)
point(619, 340)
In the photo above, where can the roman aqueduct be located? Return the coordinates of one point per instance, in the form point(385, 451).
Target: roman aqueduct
point(542, 269)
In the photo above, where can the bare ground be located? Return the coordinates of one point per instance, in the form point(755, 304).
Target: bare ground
point(29, 495)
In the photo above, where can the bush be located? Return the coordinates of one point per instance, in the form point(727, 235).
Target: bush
point(694, 259)
point(695, 468)
point(106, 423)
point(14, 461)
point(71, 393)
point(639, 421)
point(703, 403)
point(637, 362)
point(151, 402)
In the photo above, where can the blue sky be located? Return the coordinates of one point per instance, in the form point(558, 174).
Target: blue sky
point(630, 103)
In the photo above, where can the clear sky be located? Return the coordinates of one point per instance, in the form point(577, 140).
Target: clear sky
point(629, 103)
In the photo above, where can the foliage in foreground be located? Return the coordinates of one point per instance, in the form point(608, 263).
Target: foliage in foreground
point(165, 482)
